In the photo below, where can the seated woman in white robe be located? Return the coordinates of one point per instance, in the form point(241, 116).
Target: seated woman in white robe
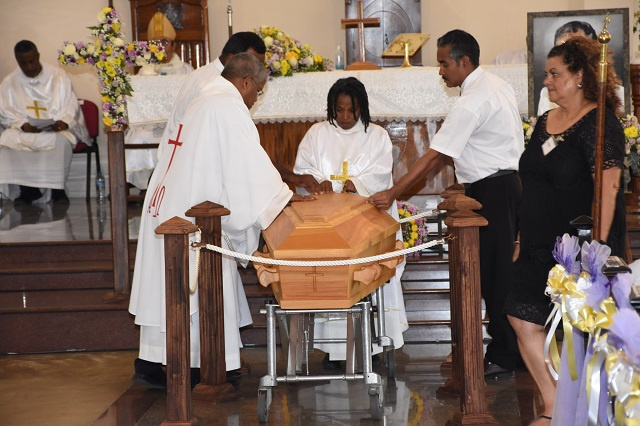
point(348, 136)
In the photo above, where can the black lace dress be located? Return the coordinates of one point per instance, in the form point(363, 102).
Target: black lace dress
point(556, 189)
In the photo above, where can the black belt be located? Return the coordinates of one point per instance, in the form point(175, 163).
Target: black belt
point(496, 174)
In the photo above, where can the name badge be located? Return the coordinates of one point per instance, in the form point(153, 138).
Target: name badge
point(549, 145)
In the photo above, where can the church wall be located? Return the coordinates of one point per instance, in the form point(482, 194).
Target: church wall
point(316, 22)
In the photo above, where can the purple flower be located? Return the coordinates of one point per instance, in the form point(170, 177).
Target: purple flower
point(565, 252)
point(594, 256)
point(626, 327)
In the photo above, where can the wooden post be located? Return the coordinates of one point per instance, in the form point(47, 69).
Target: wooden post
point(176, 256)
point(213, 384)
point(361, 22)
point(466, 310)
point(119, 223)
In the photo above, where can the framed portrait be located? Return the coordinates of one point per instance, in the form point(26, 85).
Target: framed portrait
point(544, 28)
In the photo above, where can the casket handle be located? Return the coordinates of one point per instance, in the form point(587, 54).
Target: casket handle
point(267, 274)
point(372, 272)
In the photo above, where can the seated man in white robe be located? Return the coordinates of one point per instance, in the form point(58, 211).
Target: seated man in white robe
point(214, 155)
point(349, 137)
point(139, 163)
point(43, 123)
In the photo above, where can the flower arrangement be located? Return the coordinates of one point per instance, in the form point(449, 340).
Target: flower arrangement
point(415, 231)
point(528, 124)
point(286, 55)
point(632, 147)
point(110, 54)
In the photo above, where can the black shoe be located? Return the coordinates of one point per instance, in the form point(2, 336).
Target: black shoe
point(28, 194)
point(149, 374)
point(22, 201)
point(331, 365)
point(233, 377)
point(59, 196)
point(495, 372)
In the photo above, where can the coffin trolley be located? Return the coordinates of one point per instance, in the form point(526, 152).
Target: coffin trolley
point(341, 227)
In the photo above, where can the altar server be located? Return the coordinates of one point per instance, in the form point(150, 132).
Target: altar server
point(483, 135)
point(44, 122)
point(349, 153)
point(214, 155)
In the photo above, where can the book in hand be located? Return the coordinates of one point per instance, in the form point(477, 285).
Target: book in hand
point(41, 123)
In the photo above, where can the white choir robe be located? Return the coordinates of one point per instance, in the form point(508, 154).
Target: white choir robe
point(40, 160)
point(215, 155)
point(139, 163)
point(321, 153)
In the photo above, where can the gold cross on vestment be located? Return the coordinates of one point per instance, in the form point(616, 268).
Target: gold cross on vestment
point(345, 174)
point(36, 108)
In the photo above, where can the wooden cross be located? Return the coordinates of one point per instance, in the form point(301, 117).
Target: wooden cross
point(360, 22)
point(36, 108)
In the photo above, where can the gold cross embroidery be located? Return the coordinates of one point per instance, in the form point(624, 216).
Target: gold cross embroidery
point(36, 108)
point(345, 174)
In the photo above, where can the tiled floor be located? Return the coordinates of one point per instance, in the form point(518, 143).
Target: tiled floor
point(95, 388)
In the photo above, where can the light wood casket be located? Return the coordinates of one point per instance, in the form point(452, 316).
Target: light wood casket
point(335, 226)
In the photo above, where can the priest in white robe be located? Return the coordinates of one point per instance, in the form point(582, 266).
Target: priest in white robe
point(214, 155)
point(43, 123)
point(348, 153)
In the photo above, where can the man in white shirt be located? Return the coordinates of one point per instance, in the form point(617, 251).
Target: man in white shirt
point(214, 155)
point(44, 122)
point(483, 135)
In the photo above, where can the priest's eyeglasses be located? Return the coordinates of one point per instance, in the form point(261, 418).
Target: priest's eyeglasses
point(260, 90)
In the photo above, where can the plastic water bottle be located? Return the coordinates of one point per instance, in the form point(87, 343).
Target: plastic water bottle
point(339, 58)
point(100, 188)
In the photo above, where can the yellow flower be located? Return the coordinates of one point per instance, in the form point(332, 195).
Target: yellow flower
point(130, 46)
point(406, 244)
point(160, 56)
point(81, 61)
point(111, 72)
point(284, 67)
point(105, 98)
point(412, 242)
point(107, 121)
point(290, 55)
point(153, 48)
point(414, 235)
point(116, 26)
point(631, 132)
point(317, 59)
point(414, 227)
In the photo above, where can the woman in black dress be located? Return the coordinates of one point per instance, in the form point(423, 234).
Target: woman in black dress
point(557, 186)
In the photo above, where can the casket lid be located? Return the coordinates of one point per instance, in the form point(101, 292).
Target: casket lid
point(335, 226)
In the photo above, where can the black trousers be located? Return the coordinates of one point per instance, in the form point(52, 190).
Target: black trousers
point(500, 199)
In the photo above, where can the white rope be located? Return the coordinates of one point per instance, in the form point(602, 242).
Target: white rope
point(420, 215)
point(307, 263)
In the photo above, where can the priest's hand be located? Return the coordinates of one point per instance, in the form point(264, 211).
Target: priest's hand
point(59, 126)
point(308, 182)
point(298, 197)
point(382, 200)
point(28, 128)
point(349, 187)
point(326, 187)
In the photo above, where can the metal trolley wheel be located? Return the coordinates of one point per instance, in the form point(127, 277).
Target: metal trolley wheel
point(264, 401)
point(376, 402)
point(390, 361)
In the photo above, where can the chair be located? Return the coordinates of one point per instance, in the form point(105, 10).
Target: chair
point(91, 117)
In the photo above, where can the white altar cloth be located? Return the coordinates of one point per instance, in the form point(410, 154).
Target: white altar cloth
point(412, 94)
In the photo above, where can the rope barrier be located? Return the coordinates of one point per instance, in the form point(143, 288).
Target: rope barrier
point(307, 263)
point(420, 215)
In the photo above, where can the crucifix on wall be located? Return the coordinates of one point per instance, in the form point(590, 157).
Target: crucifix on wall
point(361, 22)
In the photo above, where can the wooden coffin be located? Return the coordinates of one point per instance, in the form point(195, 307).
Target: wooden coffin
point(335, 226)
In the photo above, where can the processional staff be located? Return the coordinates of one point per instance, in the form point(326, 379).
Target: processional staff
point(603, 38)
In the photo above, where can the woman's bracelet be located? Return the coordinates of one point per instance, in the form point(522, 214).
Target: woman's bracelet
point(516, 243)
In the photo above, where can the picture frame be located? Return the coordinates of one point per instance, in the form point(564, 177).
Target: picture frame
point(541, 29)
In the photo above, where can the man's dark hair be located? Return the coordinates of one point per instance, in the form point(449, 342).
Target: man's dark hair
point(243, 41)
point(461, 44)
point(574, 27)
point(24, 46)
point(353, 88)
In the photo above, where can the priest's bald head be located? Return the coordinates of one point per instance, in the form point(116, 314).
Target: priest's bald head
point(28, 58)
point(248, 75)
point(244, 41)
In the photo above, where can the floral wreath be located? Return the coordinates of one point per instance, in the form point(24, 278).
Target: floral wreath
point(110, 54)
point(415, 231)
